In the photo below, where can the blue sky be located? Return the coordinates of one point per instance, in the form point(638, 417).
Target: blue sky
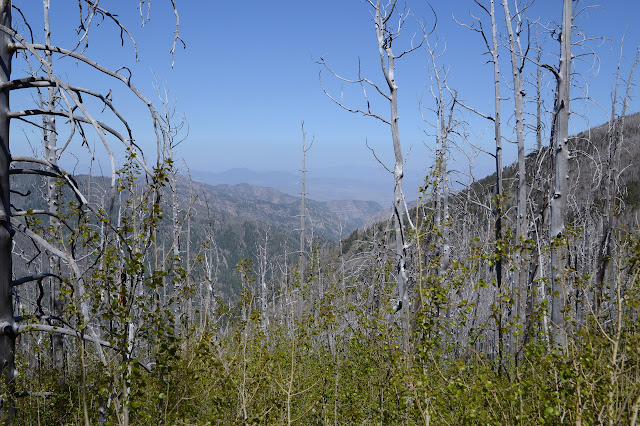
point(247, 76)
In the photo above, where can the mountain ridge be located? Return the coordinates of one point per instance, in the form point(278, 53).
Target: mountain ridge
point(324, 184)
point(332, 219)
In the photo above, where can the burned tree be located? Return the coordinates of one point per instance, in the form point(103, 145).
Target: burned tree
point(385, 36)
point(558, 202)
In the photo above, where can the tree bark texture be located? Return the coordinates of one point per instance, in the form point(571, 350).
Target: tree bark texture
point(558, 203)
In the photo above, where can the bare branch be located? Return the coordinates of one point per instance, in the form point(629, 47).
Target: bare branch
point(22, 44)
point(360, 79)
point(36, 238)
point(552, 69)
point(75, 333)
point(176, 37)
point(343, 106)
point(86, 24)
point(475, 111)
point(41, 81)
point(376, 157)
point(31, 212)
point(30, 278)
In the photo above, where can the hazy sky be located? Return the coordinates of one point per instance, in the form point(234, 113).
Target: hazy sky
point(247, 76)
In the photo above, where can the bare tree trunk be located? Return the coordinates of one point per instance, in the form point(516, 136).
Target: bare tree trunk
point(385, 37)
point(50, 145)
point(538, 95)
point(492, 49)
point(443, 129)
point(388, 69)
point(262, 272)
point(7, 325)
point(517, 64)
point(558, 202)
point(539, 212)
point(210, 278)
point(187, 277)
point(499, 191)
point(303, 194)
point(444, 177)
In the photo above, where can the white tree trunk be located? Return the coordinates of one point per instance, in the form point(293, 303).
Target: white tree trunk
point(558, 203)
point(498, 158)
point(517, 63)
point(50, 146)
point(387, 60)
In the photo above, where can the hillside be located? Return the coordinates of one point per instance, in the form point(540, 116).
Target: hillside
point(330, 219)
point(472, 209)
point(588, 169)
point(237, 220)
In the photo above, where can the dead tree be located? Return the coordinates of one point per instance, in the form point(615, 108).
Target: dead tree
point(386, 35)
point(263, 268)
point(303, 196)
point(518, 58)
point(50, 137)
point(538, 98)
point(558, 202)
point(8, 332)
point(492, 49)
point(444, 127)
